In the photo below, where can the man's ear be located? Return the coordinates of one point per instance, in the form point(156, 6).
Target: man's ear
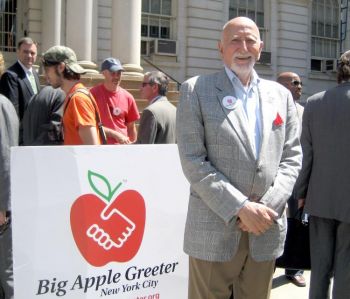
point(220, 47)
point(61, 67)
point(260, 50)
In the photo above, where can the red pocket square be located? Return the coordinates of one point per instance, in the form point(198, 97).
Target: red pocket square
point(278, 120)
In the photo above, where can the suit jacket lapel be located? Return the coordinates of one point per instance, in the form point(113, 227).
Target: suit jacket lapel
point(25, 79)
point(235, 116)
point(268, 114)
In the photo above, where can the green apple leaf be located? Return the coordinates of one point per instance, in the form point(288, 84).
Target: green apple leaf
point(98, 182)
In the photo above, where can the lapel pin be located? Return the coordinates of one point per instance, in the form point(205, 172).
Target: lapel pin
point(229, 102)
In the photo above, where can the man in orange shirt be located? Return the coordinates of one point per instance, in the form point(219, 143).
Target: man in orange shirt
point(80, 125)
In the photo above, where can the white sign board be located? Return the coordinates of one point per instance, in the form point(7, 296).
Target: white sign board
point(99, 222)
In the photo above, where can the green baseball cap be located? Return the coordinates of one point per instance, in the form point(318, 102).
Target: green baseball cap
point(58, 54)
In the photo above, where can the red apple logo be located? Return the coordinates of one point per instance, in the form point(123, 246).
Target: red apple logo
point(107, 230)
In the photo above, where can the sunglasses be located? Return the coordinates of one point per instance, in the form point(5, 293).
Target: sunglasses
point(296, 83)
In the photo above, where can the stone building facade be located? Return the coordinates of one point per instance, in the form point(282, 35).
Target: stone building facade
point(180, 36)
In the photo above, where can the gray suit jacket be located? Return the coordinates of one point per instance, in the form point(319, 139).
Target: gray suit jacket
point(324, 178)
point(9, 130)
point(218, 160)
point(157, 124)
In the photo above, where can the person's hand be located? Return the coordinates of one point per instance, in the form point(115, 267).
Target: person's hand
point(301, 203)
point(122, 139)
point(242, 226)
point(256, 218)
point(3, 218)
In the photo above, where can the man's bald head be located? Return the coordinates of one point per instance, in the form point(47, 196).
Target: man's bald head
point(292, 82)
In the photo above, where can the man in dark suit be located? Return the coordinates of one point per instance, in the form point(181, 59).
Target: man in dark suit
point(323, 185)
point(20, 82)
point(293, 83)
point(157, 124)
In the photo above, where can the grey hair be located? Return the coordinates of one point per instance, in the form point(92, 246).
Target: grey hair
point(343, 71)
point(159, 78)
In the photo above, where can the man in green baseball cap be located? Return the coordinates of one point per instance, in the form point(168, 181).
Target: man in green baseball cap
point(80, 116)
point(57, 54)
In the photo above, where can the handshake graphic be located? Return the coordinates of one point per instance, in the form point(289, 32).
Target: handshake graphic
point(103, 238)
point(107, 230)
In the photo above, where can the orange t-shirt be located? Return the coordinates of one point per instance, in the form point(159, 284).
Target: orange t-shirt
point(79, 112)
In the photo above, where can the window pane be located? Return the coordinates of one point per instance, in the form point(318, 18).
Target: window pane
point(145, 5)
point(154, 27)
point(318, 47)
point(251, 15)
point(251, 4)
point(313, 27)
point(328, 30)
point(335, 31)
point(154, 31)
point(260, 5)
point(242, 12)
point(233, 3)
point(8, 25)
point(166, 7)
point(242, 4)
point(334, 52)
point(260, 19)
point(232, 13)
point(165, 29)
point(143, 47)
point(313, 47)
point(316, 64)
point(144, 30)
point(155, 6)
point(165, 32)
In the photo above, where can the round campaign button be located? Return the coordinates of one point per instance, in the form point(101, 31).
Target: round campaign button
point(229, 102)
point(116, 111)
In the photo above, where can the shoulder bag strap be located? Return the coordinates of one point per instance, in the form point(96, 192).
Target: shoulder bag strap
point(97, 115)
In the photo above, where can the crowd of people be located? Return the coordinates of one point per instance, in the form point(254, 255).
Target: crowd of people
point(65, 112)
point(238, 137)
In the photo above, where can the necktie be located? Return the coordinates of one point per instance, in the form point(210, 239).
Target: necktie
point(32, 82)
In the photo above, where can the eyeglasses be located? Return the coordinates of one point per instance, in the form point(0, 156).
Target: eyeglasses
point(296, 83)
point(146, 83)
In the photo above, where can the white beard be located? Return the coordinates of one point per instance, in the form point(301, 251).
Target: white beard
point(243, 70)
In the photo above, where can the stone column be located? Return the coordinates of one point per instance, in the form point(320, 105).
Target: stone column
point(126, 34)
point(79, 14)
point(51, 23)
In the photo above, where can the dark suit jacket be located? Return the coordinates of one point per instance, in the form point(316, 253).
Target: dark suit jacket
point(43, 111)
point(324, 178)
point(157, 124)
point(15, 85)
